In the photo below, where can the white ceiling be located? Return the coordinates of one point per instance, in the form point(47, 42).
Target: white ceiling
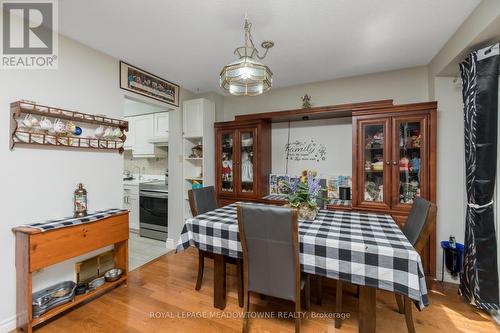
point(189, 41)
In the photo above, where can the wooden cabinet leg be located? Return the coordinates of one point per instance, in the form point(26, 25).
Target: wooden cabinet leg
point(219, 281)
point(23, 284)
point(367, 309)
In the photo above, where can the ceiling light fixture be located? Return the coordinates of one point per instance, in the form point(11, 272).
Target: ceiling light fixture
point(247, 76)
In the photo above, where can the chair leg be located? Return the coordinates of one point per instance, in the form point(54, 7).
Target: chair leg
point(297, 317)
point(307, 293)
point(408, 314)
point(338, 303)
point(319, 290)
point(201, 267)
point(239, 278)
point(399, 300)
point(246, 309)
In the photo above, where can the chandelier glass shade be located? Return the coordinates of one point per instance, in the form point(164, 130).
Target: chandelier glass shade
point(247, 76)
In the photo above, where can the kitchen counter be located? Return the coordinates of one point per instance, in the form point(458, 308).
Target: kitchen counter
point(144, 178)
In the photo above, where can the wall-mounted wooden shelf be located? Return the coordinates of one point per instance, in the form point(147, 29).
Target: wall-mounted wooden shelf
point(20, 136)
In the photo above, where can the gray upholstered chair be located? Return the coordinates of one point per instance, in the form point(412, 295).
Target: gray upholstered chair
point(417, 229)
point(201, 201)
point(270, 243)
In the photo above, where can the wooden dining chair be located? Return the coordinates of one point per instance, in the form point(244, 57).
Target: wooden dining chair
point(417, 229)
point(201, 201)
point(270, 243)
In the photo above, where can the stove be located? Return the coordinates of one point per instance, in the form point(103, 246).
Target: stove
point(153, 213)
point(154, 186)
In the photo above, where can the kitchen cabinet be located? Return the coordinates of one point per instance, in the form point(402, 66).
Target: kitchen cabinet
point(146, 133)
point(243, 160)
point(160, 124)
point(131, 202)
point(143, 128)
point(193, 115)
point(129, 142)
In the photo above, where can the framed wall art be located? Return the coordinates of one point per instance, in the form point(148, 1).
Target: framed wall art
point(144, 83)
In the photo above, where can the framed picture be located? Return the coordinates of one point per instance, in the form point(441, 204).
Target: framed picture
point(141, 82)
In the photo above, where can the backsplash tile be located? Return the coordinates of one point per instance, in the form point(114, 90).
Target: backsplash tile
point(149, 166)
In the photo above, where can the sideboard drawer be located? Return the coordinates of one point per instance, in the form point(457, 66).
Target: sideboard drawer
point(51, 247)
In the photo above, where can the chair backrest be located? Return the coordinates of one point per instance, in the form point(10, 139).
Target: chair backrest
point(270, 242)
point(420, 222)
point(321, 200)
point(202, 200)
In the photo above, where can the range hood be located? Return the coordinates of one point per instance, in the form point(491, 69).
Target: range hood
point(160, 142)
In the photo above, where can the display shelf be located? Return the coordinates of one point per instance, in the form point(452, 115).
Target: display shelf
point(77, 300)
point(54, 112)
point(36, 137)
point(194, 178)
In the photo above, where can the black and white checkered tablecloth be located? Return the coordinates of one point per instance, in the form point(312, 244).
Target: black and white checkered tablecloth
point(333, 202)
point(71, 221)
point(278, 197)
point(340, 202)
point(357, 247)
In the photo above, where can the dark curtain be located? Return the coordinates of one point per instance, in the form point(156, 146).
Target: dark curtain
point(479, 279)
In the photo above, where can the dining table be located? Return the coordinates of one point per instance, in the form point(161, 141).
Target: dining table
point(362, 248)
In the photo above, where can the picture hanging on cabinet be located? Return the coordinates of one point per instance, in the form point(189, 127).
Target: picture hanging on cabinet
point(144, 83)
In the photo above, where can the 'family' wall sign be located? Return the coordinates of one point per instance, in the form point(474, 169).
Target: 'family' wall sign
point(305, 151)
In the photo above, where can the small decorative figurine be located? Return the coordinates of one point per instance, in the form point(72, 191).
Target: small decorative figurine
point(197, 151)
point(404, 164)
point(80, 201)
point(306, 101)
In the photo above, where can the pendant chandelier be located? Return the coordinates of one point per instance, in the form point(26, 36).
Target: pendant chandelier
point(247, 76)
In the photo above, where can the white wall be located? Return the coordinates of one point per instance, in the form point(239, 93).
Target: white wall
point(451, 194)
point(334, 134)
point(38, 184)
point(404, 86)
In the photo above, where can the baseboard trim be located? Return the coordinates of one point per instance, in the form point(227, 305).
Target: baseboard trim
point(170, 245)
point(8, 325)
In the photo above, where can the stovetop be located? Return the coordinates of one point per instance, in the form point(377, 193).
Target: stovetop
point(156, 186)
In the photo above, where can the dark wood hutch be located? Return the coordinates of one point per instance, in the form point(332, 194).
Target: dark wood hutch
point(394, 157)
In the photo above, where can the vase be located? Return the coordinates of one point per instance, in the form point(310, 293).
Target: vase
point(307, 213)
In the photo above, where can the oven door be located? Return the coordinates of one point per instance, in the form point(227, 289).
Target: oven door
point(153, 212)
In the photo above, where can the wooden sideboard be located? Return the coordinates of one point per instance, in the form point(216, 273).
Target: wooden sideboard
point(36, 250)
point(396, 129)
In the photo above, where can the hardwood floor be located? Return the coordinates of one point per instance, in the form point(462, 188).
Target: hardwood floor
point(166, 286)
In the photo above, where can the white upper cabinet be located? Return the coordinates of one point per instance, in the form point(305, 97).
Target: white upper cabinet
point(129, 141)
point(143, 129)
point(160, 125)
point(192, 117)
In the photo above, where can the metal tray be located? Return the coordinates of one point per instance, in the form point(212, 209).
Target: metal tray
point(46, 299)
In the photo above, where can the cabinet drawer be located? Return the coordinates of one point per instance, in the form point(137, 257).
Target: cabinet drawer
point(50, 247)
point(131, 190)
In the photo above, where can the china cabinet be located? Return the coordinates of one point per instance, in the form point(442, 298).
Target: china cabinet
point(394, 160)
point(243, 160)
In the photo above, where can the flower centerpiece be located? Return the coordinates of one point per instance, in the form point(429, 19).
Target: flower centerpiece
point(303, 194)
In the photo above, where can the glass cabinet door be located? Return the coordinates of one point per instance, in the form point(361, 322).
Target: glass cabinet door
point(226, 164)
point(246, 161)
point(374, 166)
point(409, 175)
